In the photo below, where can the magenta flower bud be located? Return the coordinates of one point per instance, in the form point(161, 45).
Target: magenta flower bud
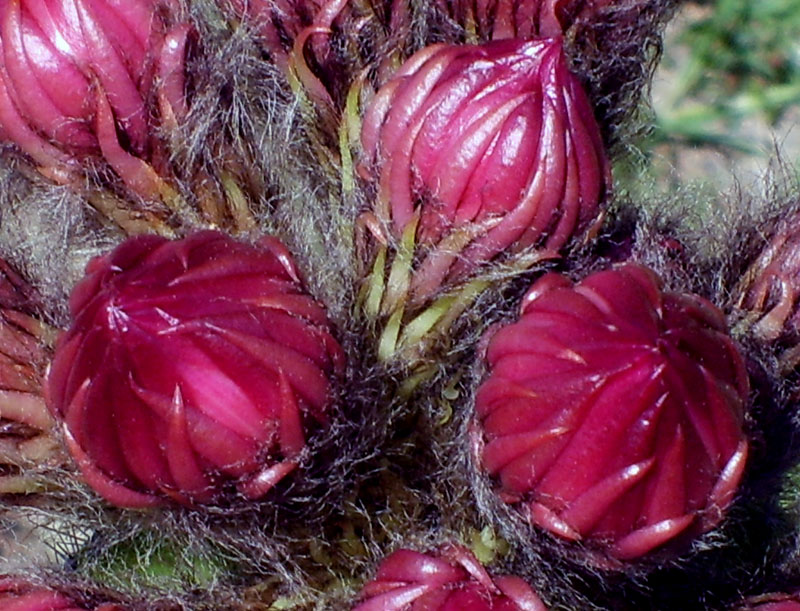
point(498, 19)
point(191, 364)
point(770, 288)
point(493, 147)
point(613, 411)
point(18, 595)
point(76, 78)
point(452, 580)
point(25, 422)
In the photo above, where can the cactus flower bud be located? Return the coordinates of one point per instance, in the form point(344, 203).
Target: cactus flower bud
point(191, 364)
point(492, 146)
point(76, 78)
point(770, 289)
point(454, 579)
point(17, 595)
point(280, 22)
point(519, 18)
point(25, 423)
point(613, 411)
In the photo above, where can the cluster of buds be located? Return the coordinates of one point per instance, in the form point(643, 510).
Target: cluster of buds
point(80, 78)
point(452, 579)
point(613, 412)
point(25, 423)
point(480, 151)
point(191, 366)
point(498, 19)
point(18, 595)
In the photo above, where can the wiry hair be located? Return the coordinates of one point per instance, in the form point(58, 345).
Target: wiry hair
point(395, 468)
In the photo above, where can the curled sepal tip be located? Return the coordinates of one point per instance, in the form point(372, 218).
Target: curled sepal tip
point(613, 412)
point(78, 78)
point(192, 367)
point(493, 148)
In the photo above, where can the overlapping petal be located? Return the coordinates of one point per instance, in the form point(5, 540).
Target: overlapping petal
point(770, 288)
point(496, 142)
point(190, 364)
point(25, 423)
point(18, 595)
point(613, 411)
point(60, 58)
point(498, 19)
point(452, 579)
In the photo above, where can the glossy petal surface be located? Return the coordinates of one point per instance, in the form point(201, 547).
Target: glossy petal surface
point(613, 411)
point(494, 141)
point(189, 364)
point(452, 580)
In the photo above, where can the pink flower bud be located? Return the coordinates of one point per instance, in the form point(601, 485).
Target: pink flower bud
point(771, 286)
point(17, 595)
point(499, 19)
point(25, 423)
point(190, 364)
point(452, 580)
point(613, 411)
point(76, 78)
point(494, 141)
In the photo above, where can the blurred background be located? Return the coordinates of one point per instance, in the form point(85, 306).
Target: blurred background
point(726, 94)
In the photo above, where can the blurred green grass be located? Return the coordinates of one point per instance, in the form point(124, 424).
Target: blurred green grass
point(728, 88)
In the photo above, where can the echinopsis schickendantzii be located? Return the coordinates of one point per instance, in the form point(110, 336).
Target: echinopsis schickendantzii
point(95, 79)
point(192, 367)
point(477, 153)
point(613, 412)
point(452, 579)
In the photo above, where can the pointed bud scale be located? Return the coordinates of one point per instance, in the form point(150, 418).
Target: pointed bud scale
point(25, 423)
point(189, 365)
point(498, 19)
point(76, 78)
point(613, 411)
point(452, 580)
point(18, 595)
point(770, 288)
point(492, 146)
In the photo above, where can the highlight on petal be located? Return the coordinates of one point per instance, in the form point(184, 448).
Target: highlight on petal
point(192, 367)
point(613, 412)
point(26, 426)
point(452, 578)
point(493, 147)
